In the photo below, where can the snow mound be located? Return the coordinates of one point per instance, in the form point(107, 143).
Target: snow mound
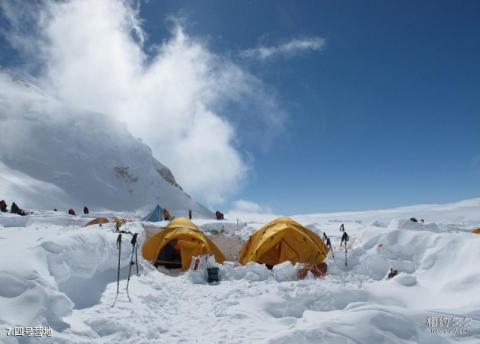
point(250, 272)
point(417, 226)
point(285, 271)
point(45, 281)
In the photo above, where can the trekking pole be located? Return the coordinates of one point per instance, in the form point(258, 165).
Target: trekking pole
point(134, 244)
point(346, 264)
point(119, 247)
point(331, 249)
point(136, 257)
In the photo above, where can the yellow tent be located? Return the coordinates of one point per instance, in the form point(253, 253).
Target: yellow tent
point(281, 240)
point(190, 241)
point(476, 230)
point(97, 221)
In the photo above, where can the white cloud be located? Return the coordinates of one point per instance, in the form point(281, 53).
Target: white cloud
point(91, 55)
point(290, 48)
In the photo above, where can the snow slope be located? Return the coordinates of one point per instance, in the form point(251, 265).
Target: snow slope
point(64, 275)
point(52, 156)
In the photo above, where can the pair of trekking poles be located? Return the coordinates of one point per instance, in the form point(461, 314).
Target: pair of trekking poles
point(134, 243)
point(345, 239)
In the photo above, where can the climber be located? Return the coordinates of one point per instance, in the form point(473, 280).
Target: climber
point(3, 206)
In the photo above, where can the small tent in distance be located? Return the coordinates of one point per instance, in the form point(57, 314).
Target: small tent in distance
point(476, 230)
point(155, 215)
point(97, 221)
point(281, 240)
point(174, 245)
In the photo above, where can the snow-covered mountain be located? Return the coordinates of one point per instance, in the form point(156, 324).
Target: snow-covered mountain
point(53, 156)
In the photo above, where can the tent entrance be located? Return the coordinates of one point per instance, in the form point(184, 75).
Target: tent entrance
point(279, 253)
point(170, 256)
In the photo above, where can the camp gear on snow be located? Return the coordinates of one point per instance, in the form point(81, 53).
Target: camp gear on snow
point(213, 275)
point(71, 212)
point(317, 270)
point(198, 272)
point(413, 219)
point(281, 240)
point(86, 211)
point(392, 273)
point(476, 230)
point(97, 221)
point(189, 240)
point(3, 206)
point(119, 223)
point(14, 209)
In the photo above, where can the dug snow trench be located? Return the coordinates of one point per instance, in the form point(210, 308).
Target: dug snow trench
point(47, 271)
point(62, 276)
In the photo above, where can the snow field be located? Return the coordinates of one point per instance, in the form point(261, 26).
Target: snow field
point(64, 275)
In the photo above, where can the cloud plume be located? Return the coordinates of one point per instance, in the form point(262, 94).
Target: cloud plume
point(90, 54)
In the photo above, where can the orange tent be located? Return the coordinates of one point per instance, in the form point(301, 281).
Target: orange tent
point(97, 221)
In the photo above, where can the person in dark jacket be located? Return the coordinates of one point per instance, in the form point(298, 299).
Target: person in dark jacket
point(3, 206)
point(86, 211)
point(342, 228)
point(71, 212)
point(190, 214)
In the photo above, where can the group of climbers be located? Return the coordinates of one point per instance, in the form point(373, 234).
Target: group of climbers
point(219, 215)
point(14, 208)
point(71, 211)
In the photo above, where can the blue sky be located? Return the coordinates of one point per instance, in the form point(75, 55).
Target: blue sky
point(386, 114)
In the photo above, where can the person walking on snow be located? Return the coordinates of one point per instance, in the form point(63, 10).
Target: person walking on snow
point(342, 228)
point(345, 238)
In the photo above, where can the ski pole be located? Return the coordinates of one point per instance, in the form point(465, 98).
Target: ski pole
point(134, 243)
point(119, 246)
point(346, 264)
point(333, 255)
point(136, 257)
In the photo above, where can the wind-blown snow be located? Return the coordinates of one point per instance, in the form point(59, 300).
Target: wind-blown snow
point(62, 158)
point(64, 275)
